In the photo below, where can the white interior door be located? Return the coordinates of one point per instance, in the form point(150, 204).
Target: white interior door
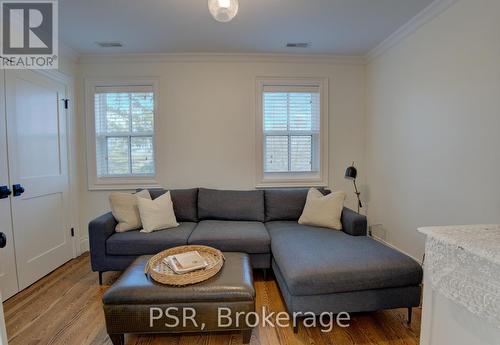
point(38, 161)
point(8, 277)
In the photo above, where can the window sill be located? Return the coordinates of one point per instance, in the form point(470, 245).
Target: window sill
point(123, 183)
point(290, 185)
point(304, 180)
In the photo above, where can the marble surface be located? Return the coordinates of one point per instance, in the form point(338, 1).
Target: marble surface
point(481, 240)
point(463, 263)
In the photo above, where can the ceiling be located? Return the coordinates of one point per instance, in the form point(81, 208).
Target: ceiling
point(343, 27)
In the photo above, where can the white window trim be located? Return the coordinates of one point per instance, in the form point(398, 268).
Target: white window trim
point(116, 183)
point(295, 179)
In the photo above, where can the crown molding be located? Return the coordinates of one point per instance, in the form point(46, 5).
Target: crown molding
point(225, 58)
point(426, 15)
point(68, 52)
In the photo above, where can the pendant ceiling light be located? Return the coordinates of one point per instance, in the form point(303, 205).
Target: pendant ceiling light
point(223, 10)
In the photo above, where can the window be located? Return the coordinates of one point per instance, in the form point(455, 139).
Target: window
point(291, 132)
point(121, 122)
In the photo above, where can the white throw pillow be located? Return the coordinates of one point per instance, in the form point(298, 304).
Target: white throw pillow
point(157, 214)
point(323, 210)
point(125, 211)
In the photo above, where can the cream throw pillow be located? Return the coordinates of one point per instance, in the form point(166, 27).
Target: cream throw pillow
point(157, 214)
point(323, 210)
point(125, 211)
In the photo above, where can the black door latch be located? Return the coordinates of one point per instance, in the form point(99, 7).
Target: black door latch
point(17, 189)
point(3, 240)
point(4, 192)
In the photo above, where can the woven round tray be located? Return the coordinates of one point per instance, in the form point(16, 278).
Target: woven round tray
point(160, 272)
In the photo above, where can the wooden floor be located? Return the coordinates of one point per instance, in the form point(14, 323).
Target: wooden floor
point(65, 308)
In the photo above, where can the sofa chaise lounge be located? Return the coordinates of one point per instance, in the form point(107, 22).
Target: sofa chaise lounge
point(317, 269)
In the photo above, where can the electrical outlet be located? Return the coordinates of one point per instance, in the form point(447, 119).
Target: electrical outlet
point(377, 230)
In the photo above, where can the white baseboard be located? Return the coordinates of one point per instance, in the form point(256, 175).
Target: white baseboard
point(84, 245)
point(394, 247)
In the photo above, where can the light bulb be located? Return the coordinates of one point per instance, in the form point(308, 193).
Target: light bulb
point(223, 10)
point(224, 3)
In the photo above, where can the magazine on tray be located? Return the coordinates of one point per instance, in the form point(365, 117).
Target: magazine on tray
point(185, 262)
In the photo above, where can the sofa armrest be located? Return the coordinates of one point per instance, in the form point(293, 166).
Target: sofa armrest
point(100, 229)
point(353, 223)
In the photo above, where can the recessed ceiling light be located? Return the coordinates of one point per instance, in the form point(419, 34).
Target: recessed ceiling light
point(223, 10)
point(110, 44)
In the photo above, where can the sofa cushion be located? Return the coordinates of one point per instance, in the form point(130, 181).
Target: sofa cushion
point(185, 202)
point(231, 205)
point(125, 210)
point(139, 243)
point(286, 204)
point(157, 214)
point(315, 261)
point(232, 236)
point(321, 210)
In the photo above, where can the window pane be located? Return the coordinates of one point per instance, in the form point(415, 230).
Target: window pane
point(117, 110)
point(275, 111)
point(301, 112)
point(301, 153)
point(118, 155)
point(142, 112)
point(101, 163)
point(276, 157)
point(142, 155)
point(124, 128)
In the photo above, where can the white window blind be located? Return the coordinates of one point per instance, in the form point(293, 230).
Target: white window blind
point(291, 129)
point(124, 131)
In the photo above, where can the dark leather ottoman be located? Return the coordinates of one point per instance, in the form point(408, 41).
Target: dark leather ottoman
point(137, 304)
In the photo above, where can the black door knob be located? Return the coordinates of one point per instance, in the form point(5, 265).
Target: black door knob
point(3, 240)
point(17, 189)
point(4, 192)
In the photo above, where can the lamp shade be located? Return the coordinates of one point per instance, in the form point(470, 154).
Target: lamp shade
point(351, 173)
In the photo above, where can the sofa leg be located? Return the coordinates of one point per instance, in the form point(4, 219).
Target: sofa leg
point(117, 339)
point(264, 273)
point(410, 310)
point(246, 335)
point(100, 277)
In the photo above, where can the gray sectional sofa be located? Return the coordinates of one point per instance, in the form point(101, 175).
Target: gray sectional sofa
point(317, 269)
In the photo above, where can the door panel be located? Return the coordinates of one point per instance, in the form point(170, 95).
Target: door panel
point(38, 151)
point(8, 277)
point(38, 160)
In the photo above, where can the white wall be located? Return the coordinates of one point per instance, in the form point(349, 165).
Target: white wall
point(69, 74)
point(207, 122)
point(433, 126)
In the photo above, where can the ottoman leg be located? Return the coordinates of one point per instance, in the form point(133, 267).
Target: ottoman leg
point(117, 339)
point(247, 334)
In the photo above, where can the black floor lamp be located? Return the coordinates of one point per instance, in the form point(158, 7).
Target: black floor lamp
point(351, 173)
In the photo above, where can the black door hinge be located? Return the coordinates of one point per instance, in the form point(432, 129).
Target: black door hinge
point(66, 103)
point(72, 232)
